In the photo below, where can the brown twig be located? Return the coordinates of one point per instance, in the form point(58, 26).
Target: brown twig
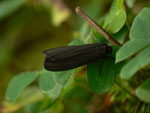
point(139, 106)
point(97, 27)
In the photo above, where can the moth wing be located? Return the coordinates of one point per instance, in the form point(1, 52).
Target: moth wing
point(65, 58)
point(62, 53)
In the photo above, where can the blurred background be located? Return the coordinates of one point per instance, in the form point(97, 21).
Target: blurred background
point(27, 27)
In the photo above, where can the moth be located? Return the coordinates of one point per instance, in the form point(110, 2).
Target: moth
point(69, 57)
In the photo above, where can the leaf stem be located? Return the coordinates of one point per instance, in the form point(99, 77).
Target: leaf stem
point(139, 106)
point(128, 92)
point(97, 27)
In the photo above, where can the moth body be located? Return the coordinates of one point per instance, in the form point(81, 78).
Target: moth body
point(69, 57)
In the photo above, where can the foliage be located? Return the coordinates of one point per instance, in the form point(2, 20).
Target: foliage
point(105, 85)
point(139, 41)
point(18, 84)
point(116, 18)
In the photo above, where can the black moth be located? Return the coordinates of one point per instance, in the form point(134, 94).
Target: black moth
point(69, 57)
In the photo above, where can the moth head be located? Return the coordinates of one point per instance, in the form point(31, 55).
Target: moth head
point(109, 49)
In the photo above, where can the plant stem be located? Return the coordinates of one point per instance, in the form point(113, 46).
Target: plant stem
point(139, 106)
point(105, 35)
point(97, 27)
point(128, 92)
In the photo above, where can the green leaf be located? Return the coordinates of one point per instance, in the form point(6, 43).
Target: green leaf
point(99, 81)
point(116, 18)
point(64, 76)
point(18, 84)
point(139, 44)
point(120, 4)
point(130, 48)
point(102, 74)
point(9, 6)
point(121, 35)
point(30, 95)
point(137, 63)
point(70, 79)
point(143, 91)
point(141, 25)
point(97, 35)
point(76, 42)
point(139, 35)
point(46, 81)
point(56, 91)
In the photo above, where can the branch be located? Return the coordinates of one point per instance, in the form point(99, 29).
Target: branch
point(97, 27)
point(139, 106)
